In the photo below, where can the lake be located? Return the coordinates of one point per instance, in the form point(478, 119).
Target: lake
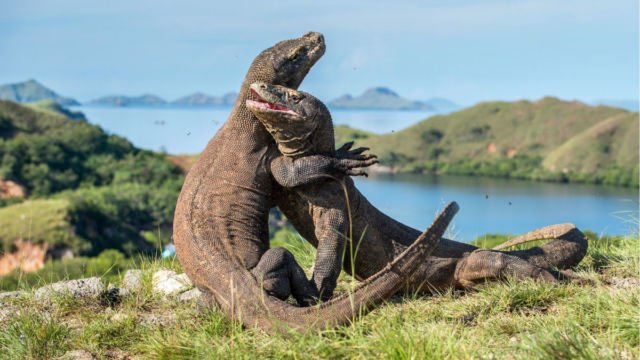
point(487, 205)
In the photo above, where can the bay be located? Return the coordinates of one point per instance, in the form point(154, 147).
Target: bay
point(489, 205)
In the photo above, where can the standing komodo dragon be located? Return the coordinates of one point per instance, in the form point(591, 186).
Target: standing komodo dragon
point(221, 218)
point(379, 238)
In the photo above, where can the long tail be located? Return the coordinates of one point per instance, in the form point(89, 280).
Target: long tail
point(566, 249)
point(245, 300)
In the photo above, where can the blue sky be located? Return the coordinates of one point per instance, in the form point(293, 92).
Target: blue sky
point(467, 51)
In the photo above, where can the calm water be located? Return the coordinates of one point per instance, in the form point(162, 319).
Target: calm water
point(487, 205)
point(187, 130)
point(502, 206)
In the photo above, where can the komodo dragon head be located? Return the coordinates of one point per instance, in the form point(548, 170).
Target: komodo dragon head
point(288, 62)
point(295, 119)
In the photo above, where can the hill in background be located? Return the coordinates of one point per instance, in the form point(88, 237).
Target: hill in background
point(124, 101)
point(202, 99)
point(382, 98)
point(548, 139)
point(31, 91)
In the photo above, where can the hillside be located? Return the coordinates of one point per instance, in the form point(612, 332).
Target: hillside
point(31, 91)
point(548, 139)
point(54, 107)
point(202, 99)
point(123, 101)
point(378, 98)
point(102, 191)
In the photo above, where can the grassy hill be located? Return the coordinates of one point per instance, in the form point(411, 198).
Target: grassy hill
point(53, 107)
point(30, 91)
point(87, 189)
point(548, 139)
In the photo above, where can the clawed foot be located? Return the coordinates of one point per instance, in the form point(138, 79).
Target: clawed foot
point(349, 161)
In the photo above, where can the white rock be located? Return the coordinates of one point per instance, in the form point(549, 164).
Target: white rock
point(167, 282)
point(132, 280)
point(4, 296)
point(91, 287)
point(8, 312)
point(190, 295)
point(77, 355)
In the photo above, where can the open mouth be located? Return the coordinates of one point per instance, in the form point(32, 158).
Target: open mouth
point(260, 103)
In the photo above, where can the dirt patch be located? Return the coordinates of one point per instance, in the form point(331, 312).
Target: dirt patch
point(27, 257)
point(10, 189)
point(184, 162)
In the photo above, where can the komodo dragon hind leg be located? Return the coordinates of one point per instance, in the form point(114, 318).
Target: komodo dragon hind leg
point(281, 276)
point(482, 265)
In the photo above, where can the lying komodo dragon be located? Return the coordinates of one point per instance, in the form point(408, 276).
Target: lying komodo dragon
point(220, 223)
point(379, 238)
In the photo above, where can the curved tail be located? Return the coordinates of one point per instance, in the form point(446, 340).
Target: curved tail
point(566, 249)
point(245, 300)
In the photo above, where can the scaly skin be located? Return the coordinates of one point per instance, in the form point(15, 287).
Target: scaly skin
point(377, 239)
point(220, 223)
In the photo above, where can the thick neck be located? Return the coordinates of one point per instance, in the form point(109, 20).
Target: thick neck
point(244, 119)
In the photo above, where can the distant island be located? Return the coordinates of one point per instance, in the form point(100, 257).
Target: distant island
point(382, 98)
point(195, 99)
point(122, 101)
point(32, 91)
point(202, 99)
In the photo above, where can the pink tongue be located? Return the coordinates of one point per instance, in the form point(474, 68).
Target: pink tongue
point(277, 107)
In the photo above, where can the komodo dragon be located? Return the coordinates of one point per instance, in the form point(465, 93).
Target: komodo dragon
point(379, 238)
point(221, 218)
point(295, 119)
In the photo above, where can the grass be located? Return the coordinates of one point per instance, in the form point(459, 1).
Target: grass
point(508, 320)
point(38, 221)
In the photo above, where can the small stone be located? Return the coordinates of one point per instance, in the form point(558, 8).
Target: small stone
point(167, 282)
point(624, 283)
point(77, 355)
point(191, 295)
point(82, 288)
point(4, 296)
point(159, 320)
point(7, 312)
point(117, 317)
point(132, 280)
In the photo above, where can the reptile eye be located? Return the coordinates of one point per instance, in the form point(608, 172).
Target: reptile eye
point(296, 98)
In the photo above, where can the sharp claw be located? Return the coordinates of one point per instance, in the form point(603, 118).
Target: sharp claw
point(346, 146)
